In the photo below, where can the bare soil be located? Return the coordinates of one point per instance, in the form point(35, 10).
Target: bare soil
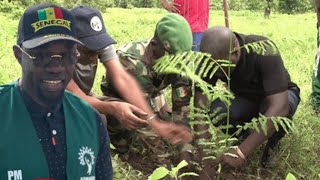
point(147, 166)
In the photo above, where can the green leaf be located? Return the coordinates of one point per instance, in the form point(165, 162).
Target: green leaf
point(159, 173)
point(188, 174)
point(255, 125)
point(175, 170)
point(283, 125)
point(291, 177)
point(182, 164)
point(289, 124)
point(263, 123)
point(275, 124)
point(112, 146)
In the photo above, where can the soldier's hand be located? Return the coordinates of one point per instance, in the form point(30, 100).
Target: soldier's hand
point(174, 133)
point(130, 116)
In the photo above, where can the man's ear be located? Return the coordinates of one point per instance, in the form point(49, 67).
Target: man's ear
point(235, 57)
point(17, 53)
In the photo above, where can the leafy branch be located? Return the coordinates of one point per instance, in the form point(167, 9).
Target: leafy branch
point(196, 66)
point(260, 124)
point(263, 47)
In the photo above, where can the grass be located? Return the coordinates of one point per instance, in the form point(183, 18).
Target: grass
point(295, 36)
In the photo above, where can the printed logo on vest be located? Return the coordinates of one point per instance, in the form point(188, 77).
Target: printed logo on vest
point(15, 175)
point(86, 157)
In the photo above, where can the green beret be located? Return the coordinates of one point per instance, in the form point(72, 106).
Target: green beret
point(174, 33)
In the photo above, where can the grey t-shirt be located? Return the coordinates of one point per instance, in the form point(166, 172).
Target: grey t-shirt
point(85, 74)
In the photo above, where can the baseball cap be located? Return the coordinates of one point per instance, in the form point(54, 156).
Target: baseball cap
point(90, 28)
point(43, 23)
point(174, 33)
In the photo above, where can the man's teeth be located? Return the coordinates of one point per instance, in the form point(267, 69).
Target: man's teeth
point(52, 82)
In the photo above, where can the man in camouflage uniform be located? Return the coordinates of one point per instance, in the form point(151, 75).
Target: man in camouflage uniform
point(152, 83)
point(172, 35)
point(133, 112)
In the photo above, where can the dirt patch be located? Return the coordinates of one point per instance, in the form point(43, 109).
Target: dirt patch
point(139, 162)
point(147, 166)
point(263, 174)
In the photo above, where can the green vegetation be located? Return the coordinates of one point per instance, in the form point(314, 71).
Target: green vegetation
point(294, 35)
point(197, 65)
point(15, 7)
point(162, 172)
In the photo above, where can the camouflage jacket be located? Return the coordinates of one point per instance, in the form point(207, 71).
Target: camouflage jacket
point(152, 83)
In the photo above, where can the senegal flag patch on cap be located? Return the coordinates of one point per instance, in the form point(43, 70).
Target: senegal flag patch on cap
point(51, 16)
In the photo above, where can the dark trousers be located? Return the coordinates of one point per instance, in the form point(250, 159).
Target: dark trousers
point(243, 110)
point(197, 37)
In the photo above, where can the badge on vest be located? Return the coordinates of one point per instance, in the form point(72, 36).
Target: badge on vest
point(86, 157)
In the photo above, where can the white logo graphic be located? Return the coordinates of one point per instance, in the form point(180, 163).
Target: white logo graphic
point(15, 175)
point(96, 23)
point(86, 157)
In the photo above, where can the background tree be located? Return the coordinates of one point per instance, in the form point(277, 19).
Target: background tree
point(283, 6)
point(295, 6)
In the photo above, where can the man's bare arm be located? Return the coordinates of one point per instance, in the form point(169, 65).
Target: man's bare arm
point(277, 106)
point(124, 112)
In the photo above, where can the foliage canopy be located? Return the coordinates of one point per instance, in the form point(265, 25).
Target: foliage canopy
point(284, 6)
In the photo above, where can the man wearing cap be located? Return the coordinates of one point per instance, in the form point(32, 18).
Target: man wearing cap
point(135, 114)
point(172, 35)
point(261, 85)
point(50, 133)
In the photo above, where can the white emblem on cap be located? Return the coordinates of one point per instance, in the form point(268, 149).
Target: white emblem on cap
point(96, 23)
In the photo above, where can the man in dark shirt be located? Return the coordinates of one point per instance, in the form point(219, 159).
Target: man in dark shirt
point(260, 84)
point(51, 134)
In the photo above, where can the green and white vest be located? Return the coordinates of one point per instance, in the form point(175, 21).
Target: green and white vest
point(21, 154)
